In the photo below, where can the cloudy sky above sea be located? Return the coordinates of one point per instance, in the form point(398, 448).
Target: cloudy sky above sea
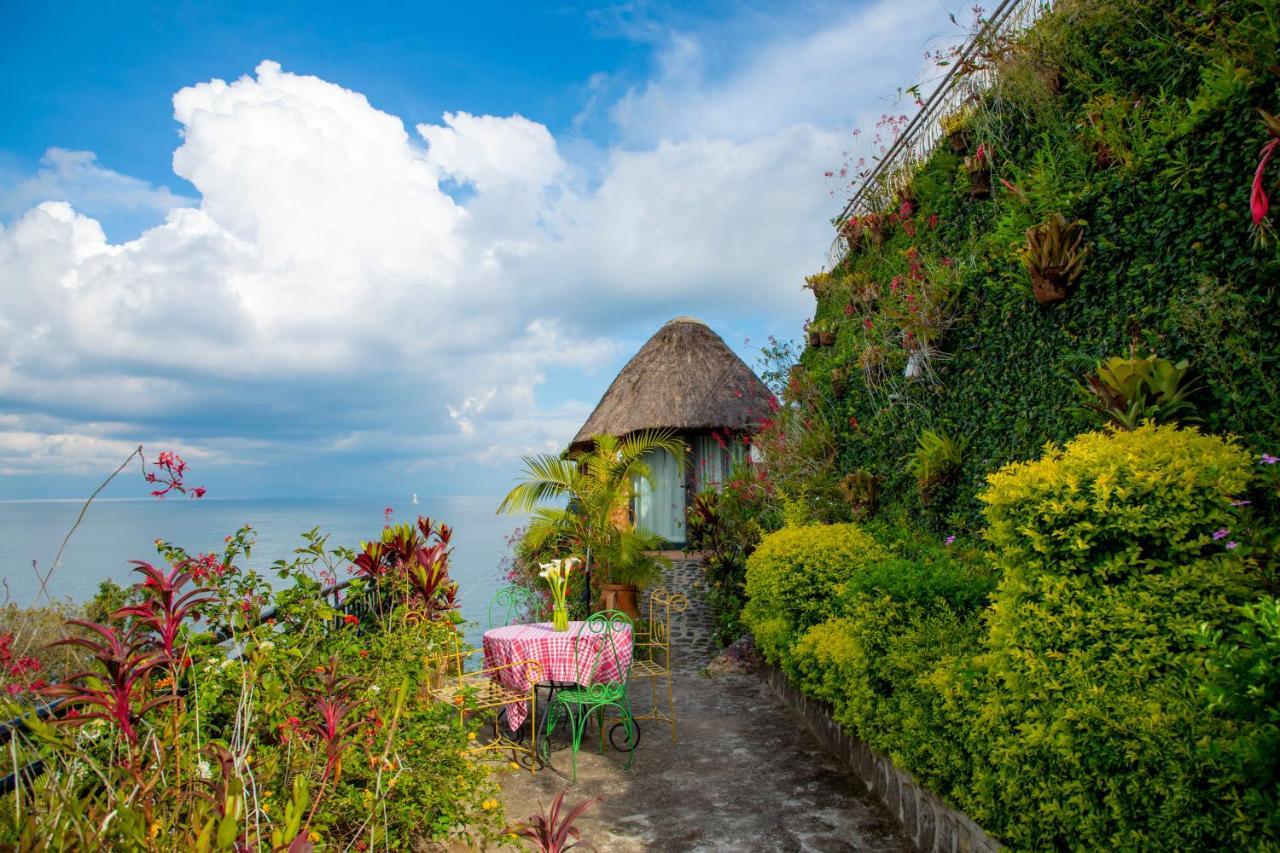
point(348, 249)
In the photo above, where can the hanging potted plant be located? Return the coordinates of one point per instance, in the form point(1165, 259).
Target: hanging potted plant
point(839, 375)
point(955, 129)
point(860, 489)
point(1054, 257)
point(978, 167)
point(827, 334)
point(820, 283)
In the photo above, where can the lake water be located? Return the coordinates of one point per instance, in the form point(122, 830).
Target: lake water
point(116, 531)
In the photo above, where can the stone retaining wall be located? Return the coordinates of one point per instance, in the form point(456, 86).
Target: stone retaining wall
point(932, 825)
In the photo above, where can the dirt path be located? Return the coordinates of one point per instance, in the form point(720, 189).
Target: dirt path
point(743, 776)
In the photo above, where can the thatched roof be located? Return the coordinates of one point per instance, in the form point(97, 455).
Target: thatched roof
point(685, 378)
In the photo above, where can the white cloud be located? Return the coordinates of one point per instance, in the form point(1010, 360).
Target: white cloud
point(343, 286)
point(76, 177)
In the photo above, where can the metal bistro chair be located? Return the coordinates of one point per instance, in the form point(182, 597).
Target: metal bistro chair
point(512, 604)
point(480, 690)
point(595, 644)
point(652, 656)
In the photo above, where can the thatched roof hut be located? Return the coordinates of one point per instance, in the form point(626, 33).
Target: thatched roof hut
point(684, 378)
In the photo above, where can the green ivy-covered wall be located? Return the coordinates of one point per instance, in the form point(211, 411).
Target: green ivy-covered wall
point(1139, 119)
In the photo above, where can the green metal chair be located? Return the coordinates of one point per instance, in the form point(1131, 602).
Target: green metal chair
point(512, 604)
point(595, 653)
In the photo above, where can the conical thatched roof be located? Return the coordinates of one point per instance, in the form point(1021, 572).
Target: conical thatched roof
point(685, 378)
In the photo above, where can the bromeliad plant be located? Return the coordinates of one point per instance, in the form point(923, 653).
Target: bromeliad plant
point(935, 460)
point(1128, 391)
point(1054, 257)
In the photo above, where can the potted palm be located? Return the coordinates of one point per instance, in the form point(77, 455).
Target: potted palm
point(574, 501)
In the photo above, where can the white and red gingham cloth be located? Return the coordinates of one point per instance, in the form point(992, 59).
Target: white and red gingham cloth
point(512, 644)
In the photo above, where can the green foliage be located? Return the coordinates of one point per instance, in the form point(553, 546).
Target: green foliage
point(595, 485)
point(791, 577)
point(1243, 686)
point(1088, 728)
point(1128, 391)
point(937, 456)
point(726, 525)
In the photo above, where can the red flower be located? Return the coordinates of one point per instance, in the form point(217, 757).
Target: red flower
point(866, 321)
point(351, 619)
point(1258, 203)
point(853, 422)
point(933, 221)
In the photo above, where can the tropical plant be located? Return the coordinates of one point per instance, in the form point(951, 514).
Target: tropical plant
point(595, 485)
point(936, 458)
point(1127, 391)
point(549, 832)
point(860, 489)
point(1054, 257)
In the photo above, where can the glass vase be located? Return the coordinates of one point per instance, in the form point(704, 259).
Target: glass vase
point(559, 618)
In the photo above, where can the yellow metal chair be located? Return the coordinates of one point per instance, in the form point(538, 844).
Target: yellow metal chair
point(651, 657)
point(480, 690)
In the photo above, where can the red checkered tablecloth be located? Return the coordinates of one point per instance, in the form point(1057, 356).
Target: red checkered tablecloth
point(554, 650)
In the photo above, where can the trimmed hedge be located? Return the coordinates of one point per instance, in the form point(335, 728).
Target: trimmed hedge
point(1090, 720)
point(793, 579)
point(1070, 712)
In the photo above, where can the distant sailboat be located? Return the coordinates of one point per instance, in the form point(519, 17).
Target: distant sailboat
point(415, 498)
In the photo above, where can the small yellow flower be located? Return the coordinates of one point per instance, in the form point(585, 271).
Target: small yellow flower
point(313, 836)
point(266, 807)
point(155, 828)
point(489, 804)
point(513, 765)
point(471, 735)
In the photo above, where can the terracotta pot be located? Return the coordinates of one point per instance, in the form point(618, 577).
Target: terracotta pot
point(827, 339)
point(837, 388)
point(980, 184)
point(815, 339)
point(959, 141)
point(1048, 289)
point(620, 596)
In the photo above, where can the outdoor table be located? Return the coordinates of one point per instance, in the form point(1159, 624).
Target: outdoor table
point(554, 650)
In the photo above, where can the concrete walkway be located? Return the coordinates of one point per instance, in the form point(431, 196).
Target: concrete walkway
point(743, 776)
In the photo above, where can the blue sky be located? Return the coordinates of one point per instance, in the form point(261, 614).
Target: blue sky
point(333, 249)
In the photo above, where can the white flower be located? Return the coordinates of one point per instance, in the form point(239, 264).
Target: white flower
point(266, 645)
point(375, 689)
point(229, 662)
point(204, 769)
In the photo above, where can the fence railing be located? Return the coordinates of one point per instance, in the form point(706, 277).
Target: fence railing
point(965, 81)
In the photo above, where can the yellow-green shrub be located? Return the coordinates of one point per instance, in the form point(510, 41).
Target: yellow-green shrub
point(880, 664)
point(1089, 731)
point(794, 578)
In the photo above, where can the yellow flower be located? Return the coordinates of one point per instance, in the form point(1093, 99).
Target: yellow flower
point(471, 735)
point(313, 836)
point(489, 804)
point(266, 807)
point(155, 828)
point(513, 765)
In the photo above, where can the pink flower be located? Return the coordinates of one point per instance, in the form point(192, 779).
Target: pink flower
point(950, 540)
point(1221, 533)
point(1258, 203)
point(1231, 546)
point(1267, 458)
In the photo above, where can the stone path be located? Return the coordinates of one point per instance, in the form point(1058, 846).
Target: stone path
point(743, 776)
